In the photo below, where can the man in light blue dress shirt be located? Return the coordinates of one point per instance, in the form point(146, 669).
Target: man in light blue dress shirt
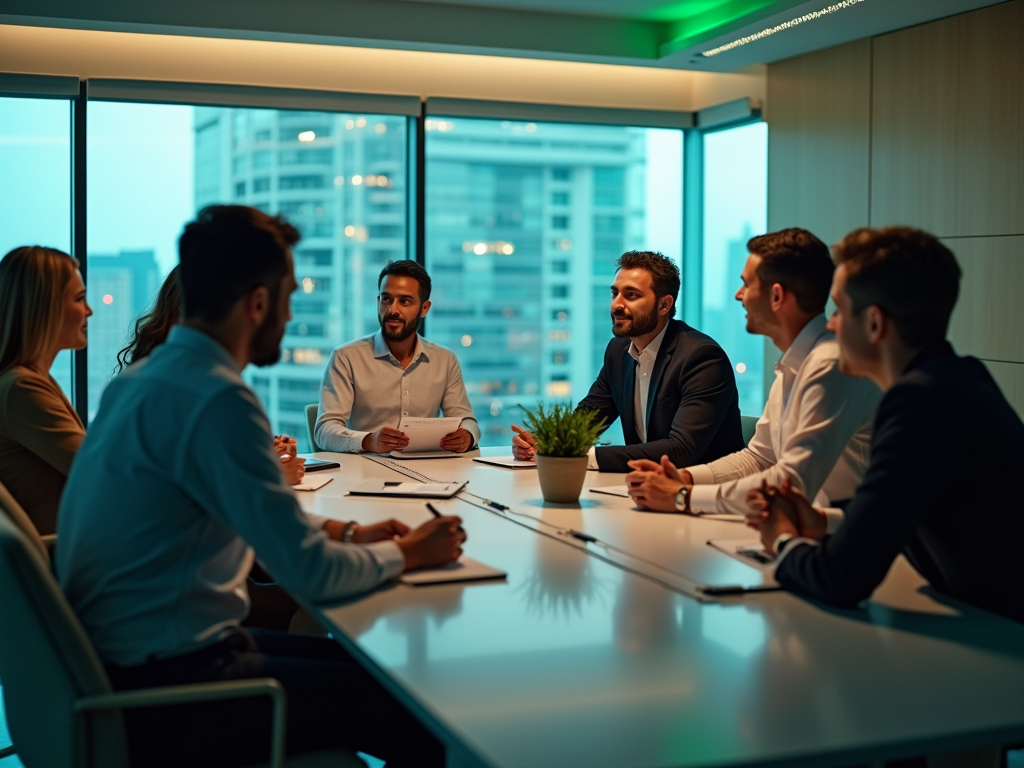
point(372, 383)
point(176, 485)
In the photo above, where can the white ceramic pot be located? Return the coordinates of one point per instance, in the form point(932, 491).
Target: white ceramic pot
point(561, 477)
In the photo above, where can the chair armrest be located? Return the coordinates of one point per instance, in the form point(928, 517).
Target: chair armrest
point(197, 692)
point(49, 540)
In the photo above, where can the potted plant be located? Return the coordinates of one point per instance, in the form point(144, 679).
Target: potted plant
point(564, 437)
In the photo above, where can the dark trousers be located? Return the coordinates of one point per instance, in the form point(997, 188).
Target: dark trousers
point(332, 702)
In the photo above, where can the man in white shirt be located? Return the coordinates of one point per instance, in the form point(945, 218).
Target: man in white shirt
point(176, 485)
point(372, 383)
point(816, 426)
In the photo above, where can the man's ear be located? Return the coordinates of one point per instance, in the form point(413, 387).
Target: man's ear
point(778, 296)
point(424, 308)
point(665, 304)
point(876, 324)
point(257, 304)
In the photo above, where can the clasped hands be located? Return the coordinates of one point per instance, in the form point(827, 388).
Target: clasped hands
point(293, 467)
point(654, 485)
point(387, 439)
point(775, 510)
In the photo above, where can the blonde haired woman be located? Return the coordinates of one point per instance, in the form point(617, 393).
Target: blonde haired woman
point(42, 311)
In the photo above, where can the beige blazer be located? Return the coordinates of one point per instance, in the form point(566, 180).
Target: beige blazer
point(39, 436)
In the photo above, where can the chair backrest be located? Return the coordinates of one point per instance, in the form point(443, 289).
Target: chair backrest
point(747, 426)
point(311, 411)
point(46, 663)
point(20, 518)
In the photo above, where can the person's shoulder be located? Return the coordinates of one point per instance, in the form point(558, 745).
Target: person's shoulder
point(20, 378)
point(354, 347)
point(688, 336)
point(436, 350)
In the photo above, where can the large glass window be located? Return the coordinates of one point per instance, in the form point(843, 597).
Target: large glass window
point(340, 178)
point(35, 184)
point(735, 209)
point(524, 223)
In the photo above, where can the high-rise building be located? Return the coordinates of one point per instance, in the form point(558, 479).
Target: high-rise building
point(341, 180)
point(121, 287)
point(524, 223)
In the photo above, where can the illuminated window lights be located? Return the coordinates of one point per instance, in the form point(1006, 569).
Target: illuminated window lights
point(779, 27)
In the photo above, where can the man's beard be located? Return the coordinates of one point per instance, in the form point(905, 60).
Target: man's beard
point(639, 325)
point(265, 348)
point(407, 330)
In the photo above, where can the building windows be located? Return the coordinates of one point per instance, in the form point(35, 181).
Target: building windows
point(735, 209)
point(559, 198)
point(559, 222)
point(143, 192)
point(35, 185)
point(561, 174)
point(559, 291)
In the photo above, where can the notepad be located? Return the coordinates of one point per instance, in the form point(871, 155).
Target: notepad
point(463, 569)
point(312, 483)
point(508, 462)
point(414, 490)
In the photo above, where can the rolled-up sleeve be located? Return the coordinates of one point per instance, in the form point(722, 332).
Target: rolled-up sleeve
point(337, 395)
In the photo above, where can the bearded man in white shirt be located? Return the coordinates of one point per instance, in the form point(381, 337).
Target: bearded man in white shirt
point(816, 426)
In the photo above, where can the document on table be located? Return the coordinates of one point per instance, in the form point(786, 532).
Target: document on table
point(612, 490)
point(426, 435)
point(748, 551)
point(414, 490)
point(312, 482)
point(508, 462)
point(463, 569)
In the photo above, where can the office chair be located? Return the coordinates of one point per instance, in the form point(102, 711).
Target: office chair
point(61, 709)
point(10, 506)
point(747, 426)
point(311, 410)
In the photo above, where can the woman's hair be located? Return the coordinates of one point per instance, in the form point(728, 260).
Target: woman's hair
point(151, 329)
point(33, 283)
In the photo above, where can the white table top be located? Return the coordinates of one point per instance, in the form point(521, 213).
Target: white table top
point(574, 661)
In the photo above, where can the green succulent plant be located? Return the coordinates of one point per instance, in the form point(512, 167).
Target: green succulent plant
point(563, 431)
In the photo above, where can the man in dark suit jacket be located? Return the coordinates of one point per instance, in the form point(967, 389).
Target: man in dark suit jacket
point(672, 386)
point(894, 290)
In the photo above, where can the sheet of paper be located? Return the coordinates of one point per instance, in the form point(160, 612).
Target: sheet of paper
point(463, 569)
point(426, 434)
point(419, 490)
point(509, 462)
point(312, 482)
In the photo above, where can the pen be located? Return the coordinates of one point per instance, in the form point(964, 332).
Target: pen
point(433, 510)
point(725, 589)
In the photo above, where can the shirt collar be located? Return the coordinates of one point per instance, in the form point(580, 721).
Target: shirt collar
point(202, 343)
point(380, 347)
point(653, 347)
point(804, 343)
point(936, 349)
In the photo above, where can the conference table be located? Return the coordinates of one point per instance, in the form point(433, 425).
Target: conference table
point(608, 653)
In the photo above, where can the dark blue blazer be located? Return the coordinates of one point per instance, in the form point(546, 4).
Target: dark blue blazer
point(693, 412)
point(943, 488)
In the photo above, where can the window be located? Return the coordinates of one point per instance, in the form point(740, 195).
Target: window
point(735, 209)
point(498, 231)
point(151, 167)
point(35, 191)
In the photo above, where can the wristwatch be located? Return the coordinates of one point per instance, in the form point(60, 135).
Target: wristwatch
point(683, 500)
point(781, 541)
point(349, 532)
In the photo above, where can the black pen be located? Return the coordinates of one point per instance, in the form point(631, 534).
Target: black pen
point(433, 510)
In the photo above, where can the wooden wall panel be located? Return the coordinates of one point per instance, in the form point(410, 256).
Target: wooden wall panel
point(988, 321)
point(948, 125)
point(1010, 378)
point(819, 141)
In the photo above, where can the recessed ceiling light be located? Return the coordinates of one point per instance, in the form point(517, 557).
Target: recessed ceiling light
point(779, 27)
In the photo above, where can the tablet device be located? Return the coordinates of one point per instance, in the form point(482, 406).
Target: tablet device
point(315, 465)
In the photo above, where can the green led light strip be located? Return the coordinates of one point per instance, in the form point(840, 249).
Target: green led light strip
point(778, 28)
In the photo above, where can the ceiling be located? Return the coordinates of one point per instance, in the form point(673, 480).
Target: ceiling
point(660, 33)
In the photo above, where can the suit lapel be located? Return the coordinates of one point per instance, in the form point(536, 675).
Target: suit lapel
point(627, 412)
point(668, 346)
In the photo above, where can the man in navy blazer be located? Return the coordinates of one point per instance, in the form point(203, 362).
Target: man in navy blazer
point(942, 487)
point(672, 386)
